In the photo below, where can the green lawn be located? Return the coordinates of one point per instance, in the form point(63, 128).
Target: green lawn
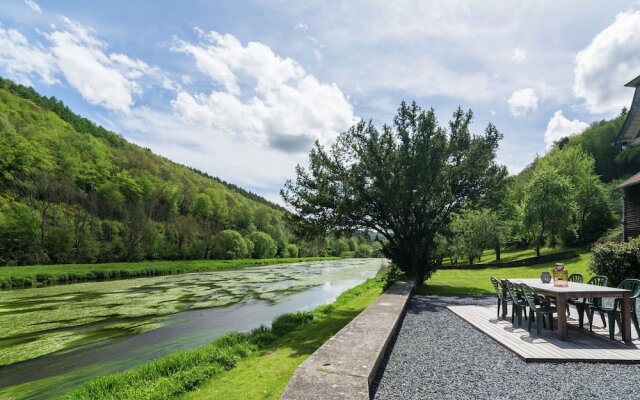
point(16, 277)
point(477, 281)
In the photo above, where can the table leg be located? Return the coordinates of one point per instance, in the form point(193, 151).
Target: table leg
point(504, 299)
point(625, 318)
point(562, 316)
point(581, 310)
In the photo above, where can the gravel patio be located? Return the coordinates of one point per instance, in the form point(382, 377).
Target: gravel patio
point(437, 355)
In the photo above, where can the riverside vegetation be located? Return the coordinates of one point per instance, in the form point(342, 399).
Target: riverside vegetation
point(38, 275)
point(257, 364)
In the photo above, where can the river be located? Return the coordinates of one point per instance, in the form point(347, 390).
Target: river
point(56, 337)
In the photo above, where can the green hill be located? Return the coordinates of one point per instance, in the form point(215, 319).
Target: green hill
point(72, 191)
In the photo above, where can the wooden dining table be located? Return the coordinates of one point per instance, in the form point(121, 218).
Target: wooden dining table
point(580, 290)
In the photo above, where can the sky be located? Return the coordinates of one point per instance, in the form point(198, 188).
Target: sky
point(242, 89)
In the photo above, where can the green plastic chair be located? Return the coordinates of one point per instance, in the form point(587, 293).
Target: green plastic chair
point(519, 303)
point(614, 313)
point(587, 303)
point(578, 278)
point(538, 308)
point(502, 300)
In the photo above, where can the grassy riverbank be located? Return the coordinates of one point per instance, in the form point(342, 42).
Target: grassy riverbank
point(38, 275)
point(256, 365)
point(478, 281)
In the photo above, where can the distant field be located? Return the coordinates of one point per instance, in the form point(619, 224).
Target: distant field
point(489, 256)
point(36, 275)
point(478, 281)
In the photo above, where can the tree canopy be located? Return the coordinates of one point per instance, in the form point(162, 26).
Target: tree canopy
point(403, 182)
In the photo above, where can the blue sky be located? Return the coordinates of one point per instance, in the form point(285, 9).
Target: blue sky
point(241, 89)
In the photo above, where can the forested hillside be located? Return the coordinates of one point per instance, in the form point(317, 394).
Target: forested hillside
point(71, 191)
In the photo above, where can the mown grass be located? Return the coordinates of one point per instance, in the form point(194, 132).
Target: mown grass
point(38, 275)
point(489, 256)
point(478, 281)
point(239, 365)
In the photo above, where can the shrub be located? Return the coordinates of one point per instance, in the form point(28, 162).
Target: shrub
point(291, 251)
point(390, 276)
point(288, 322)
point(617, 261)
point(230, 245)
point(263, 245)
point(612, 235)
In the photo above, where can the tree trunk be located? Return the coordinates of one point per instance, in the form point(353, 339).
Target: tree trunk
point(497, 252)
point(538, 249)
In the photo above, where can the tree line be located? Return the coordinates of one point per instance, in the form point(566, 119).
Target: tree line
point(73, 192)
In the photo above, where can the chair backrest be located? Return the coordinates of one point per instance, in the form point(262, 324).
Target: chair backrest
point(497, 286)
point(576, 278)
point(631, 284)
point(598, 280)
point(511, 289)
point(529, 295)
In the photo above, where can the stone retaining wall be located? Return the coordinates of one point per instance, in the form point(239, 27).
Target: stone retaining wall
point(345, 366)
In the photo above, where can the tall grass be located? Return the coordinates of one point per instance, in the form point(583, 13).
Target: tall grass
point(181, 372)
point(39, 275)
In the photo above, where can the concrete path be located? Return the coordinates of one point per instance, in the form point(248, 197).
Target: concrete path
point(345, 366)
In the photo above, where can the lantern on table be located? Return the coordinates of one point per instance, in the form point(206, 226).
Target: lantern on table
point(560, 275)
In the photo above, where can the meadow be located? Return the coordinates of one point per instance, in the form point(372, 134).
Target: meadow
point(40, 275)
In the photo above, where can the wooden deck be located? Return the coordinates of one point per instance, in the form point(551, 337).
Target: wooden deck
point(581, 346)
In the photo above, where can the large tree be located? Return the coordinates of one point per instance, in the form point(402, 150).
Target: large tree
point(403, 181)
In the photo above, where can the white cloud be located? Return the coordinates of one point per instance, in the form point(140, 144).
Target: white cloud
point(301, 27)
point(33, 5)
point(248, 164)
point(523, 101)
point(519, 54)
point(559, 126)
point(22, 60)
point(317, 54)
point(611, 60)
point(262, 97)
point(106, 80)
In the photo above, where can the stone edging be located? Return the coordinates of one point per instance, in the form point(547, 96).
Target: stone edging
point(345, 366)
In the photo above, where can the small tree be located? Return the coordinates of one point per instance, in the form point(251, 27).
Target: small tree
point(291, 251)
point(230, 245)
point(473, 231)
point(403, 182)
point(263, 245)
point(548, 205)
